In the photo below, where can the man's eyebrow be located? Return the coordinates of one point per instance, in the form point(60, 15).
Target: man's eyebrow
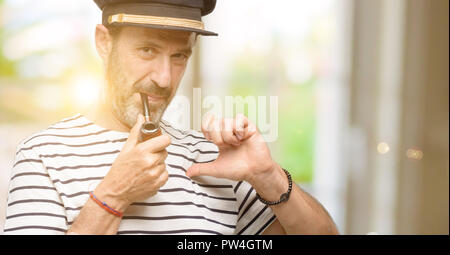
point(187, 50)
point(151, 44)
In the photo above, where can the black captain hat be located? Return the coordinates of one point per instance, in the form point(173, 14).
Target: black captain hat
point(163, 14)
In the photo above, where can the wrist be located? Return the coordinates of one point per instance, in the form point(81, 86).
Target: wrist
point(271, 184)
point(109, 197)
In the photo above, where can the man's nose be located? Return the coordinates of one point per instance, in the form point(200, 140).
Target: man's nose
point(162, 73)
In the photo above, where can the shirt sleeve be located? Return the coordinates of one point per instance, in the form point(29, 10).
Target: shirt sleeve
point(253, 216)
point(34, 206)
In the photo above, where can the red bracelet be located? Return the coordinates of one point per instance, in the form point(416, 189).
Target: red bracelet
point(105, 206)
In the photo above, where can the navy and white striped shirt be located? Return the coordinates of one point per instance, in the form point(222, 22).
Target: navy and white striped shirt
point(55, 169)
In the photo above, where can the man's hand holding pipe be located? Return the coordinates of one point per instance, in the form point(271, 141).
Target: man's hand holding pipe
point(138, 171)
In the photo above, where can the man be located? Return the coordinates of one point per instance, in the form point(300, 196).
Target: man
point(90, 173)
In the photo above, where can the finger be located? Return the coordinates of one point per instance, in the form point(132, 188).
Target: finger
point(154, 159)
point(163, 178)
point(155, 144)
point(156, 171)
point(240, 124)
point(161, 157)
point(227, 132)
point(208, 169)
point(205, 124)
point(244, 129)
point(215, 132)
point(250, 130)
point(154, 174)
point(133, 138)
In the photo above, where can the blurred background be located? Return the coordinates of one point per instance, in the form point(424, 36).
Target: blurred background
point(362, 87)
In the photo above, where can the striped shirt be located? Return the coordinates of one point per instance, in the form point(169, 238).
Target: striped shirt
point(55, 169)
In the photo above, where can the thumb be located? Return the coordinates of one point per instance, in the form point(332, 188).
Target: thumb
point(209, 169)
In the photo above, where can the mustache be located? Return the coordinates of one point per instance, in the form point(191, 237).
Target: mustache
point(148, 86)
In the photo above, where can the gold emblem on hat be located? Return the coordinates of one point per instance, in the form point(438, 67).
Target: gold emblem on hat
point(155, 20)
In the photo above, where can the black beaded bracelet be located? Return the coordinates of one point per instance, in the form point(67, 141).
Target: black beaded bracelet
point(283, 197)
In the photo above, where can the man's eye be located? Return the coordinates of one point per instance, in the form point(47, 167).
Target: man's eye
point(147, 50)
point(180, 56)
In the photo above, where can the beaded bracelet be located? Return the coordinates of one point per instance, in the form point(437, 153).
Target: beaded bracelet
point(105, 206)
point(283, 197)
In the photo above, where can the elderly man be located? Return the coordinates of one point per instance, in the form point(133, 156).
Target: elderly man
point(91, 174)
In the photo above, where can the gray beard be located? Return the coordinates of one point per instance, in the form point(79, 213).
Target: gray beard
point(119, 96)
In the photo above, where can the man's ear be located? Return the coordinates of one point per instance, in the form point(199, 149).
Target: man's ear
point(103, 42)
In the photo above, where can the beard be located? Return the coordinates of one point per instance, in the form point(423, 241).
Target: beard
point(121, 94)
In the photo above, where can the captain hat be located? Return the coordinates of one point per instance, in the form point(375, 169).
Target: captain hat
point(183, 15)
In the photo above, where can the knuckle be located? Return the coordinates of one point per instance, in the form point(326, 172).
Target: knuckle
point(164, 177)
point(227, 138)
point(163, 168)
point(149, 161)
point(161, 158)
point(161, 161)
point(219, 142)
point(139, 150)
point(167, 139)
point(165, 174)
point(158, 169)
point(152, 174)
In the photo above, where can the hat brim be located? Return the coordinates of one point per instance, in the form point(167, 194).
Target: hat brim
point(198, 31)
